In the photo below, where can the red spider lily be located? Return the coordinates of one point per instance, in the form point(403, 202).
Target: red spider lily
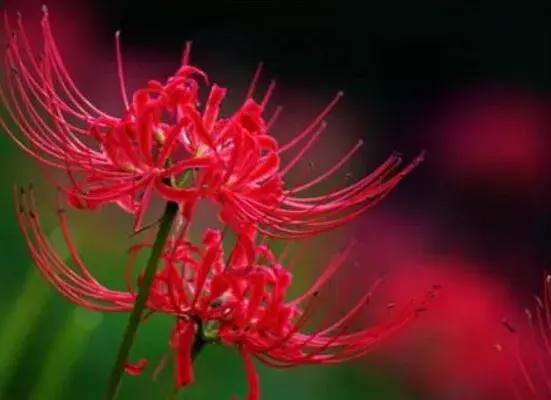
point(532, 350)
point(164, 139)
point(223, 300)
point(131, 153)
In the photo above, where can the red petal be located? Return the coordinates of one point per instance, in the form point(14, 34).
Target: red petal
point(137, 368)
point(252, 375)
point(183, 368)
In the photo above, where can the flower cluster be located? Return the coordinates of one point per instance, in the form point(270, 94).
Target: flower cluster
point(220, 299)
point(164, 140)
point(168, 145)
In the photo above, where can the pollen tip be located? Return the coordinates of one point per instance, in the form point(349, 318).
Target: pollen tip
point(421, 157)
point(420, 310)
point(540, 303)
point(360, 142)
point(19, 16)
point(45, 10)
point(117, 33)
point(507, 325)
point(340, 93)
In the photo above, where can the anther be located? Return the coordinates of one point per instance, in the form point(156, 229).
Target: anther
point(507, 325)
point(420, 310)
point(540, 303)
point(216, 303)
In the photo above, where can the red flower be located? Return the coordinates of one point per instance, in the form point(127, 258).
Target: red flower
point(223, 300)
point(164, 143)
point(531, 349)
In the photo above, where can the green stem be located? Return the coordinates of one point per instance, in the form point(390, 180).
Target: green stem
point(198, 345)
point(135, 317)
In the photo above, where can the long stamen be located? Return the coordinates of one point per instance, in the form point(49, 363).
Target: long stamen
point(120, 70)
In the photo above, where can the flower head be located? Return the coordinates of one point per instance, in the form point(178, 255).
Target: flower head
point(167, 144)
point(224, 299)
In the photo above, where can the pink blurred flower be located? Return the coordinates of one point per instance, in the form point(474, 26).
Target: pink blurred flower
point(454, 351)
point(495, 137)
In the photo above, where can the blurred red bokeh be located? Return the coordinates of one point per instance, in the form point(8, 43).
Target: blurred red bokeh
point(450, 351)
point(494, 137)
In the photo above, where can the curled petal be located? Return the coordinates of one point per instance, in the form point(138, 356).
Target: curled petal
point(137, 368)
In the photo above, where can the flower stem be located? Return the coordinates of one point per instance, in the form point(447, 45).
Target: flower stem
point(198, 345)
point(167, 220)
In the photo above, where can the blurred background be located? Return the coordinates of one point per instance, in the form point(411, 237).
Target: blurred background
point(470, 84)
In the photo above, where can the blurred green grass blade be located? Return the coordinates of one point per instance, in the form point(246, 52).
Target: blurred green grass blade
point(23, 316)
point(20, 322)
point(65, 351)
